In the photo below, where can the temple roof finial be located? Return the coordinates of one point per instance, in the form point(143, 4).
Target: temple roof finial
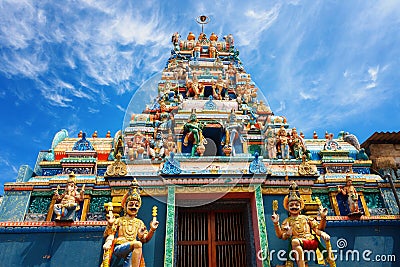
point(203, 19)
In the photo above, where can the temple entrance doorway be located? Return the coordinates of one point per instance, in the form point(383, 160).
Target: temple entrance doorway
point(213, 134)
point(215, 235)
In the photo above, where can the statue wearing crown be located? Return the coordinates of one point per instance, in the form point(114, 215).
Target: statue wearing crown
point(69, 201)
point(302, 231)
point(125, 235)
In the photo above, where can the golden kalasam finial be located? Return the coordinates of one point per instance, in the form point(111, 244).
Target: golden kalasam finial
point(203, 19)
point(275, 206)
point(154, 213)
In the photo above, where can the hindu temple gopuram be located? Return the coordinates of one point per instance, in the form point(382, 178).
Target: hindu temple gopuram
point(204, 174)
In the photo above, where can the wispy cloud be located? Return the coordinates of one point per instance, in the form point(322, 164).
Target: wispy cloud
point(256, 23)
point(6, 163)
point(120, 108)
point(373, 72)
point(93, 110)
point(103, 44)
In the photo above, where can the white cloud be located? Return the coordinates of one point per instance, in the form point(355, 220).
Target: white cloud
point(370, 85)
point(282, 107)
point(97, 42)
point(254, 24)
point(93, 110)
point(373, 72)
point(120, 108)
point(307, 96)
point(57, 99)
point(8, 165)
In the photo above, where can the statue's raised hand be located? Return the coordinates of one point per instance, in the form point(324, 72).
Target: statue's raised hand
point(154, 224)
point(323, 211)
point(110, 218)
point(275, 218)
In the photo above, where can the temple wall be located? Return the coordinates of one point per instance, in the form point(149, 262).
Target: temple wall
point(354, 236)
point(75, 246)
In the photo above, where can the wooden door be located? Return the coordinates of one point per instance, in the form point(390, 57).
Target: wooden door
point(212, 238)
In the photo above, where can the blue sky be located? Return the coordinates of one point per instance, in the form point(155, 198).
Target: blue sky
point(75, 65)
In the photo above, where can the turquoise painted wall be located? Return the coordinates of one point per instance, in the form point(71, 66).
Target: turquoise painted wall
point(75, 246)
point(382, 238)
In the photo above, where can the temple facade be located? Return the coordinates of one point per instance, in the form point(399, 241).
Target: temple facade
point(211, 173)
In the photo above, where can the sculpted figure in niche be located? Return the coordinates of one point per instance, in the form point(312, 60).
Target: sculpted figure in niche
point(352, 196)
point(69, 201)
point(194, 133)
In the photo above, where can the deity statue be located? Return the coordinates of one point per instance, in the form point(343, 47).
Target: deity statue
point(270, 143)
point(296, 144)
point(69, 201)
point(218, 88)
point(253, 124)
point(170, 145)
point(175, 40)
point(194, 88)
point(125, 235)
point(262, 108)
point(169, 93)
point(164, 118)
point(136, 147)
point(194, 133)
point(283, 141)
point(352, 196)
point(197, 51)
point(202, 38)
point(156, 146)
point(301, 230)
point(247, 93)
point(229, 40)
point(231, 73)
point(212, 51)
point(232, 134)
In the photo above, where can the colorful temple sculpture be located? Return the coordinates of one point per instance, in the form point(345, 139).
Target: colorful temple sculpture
point(201, 177)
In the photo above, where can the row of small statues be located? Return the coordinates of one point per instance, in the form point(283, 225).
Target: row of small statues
point(281, 143)
point(243, 94)
point(284, 144)
point(202, 43)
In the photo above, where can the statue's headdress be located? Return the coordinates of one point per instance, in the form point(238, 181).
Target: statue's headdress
point(193, 116)
point(294, 195)
point(72, 178)
point(132, 194)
